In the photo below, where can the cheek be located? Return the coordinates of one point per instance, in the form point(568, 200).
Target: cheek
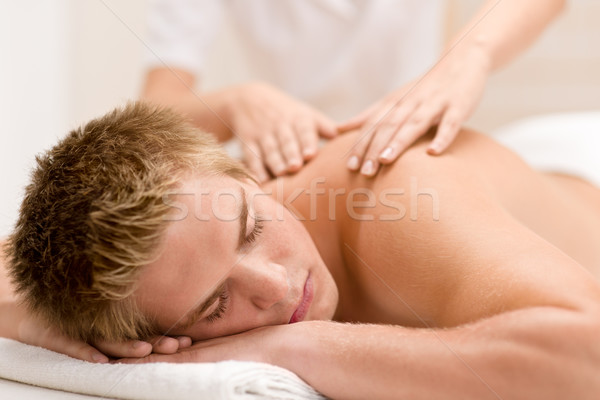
point(290, 239)
point(284, 235)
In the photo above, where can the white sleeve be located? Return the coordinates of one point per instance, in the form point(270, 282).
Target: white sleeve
point(180, 32)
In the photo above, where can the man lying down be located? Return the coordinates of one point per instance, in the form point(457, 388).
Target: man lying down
point(467, 275)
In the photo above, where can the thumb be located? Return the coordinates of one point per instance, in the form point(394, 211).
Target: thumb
point(357, 121)
point(254, 162)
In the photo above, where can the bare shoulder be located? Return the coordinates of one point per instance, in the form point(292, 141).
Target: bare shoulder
point(449, 235)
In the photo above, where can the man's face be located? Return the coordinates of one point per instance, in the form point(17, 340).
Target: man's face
point(233, 259)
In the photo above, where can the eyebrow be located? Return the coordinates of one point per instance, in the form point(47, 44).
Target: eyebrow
point(197, 312)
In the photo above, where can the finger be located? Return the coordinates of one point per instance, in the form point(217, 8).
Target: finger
point(380, 139)
point(308, 138)
point(359, 120)
point(130, 348)
point(164, 345)
point(390, 125)
point(326, 126)
point(272, 155)
point(184, 341)
point(85, 352)
point(419, 122)
point(154, 358)
point(446, 133)
point(290, 148)
point(368, 131)
point(74, 348)
point(252, 158)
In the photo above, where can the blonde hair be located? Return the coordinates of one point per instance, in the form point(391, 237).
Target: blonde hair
point(94, 214)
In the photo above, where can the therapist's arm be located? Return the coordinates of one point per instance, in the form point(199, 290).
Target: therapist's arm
point(175, 88)
point(277, 132)
point(448, 94)
point(503, 29)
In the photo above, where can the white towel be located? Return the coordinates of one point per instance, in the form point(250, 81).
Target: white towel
point(222, 380)
point(564, 142)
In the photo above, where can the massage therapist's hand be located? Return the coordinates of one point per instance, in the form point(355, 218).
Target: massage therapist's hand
point(446, 95)
point(31, 330)
point(278, 133)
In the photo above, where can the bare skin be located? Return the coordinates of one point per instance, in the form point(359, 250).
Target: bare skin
point(492, 296)
point(562, 210)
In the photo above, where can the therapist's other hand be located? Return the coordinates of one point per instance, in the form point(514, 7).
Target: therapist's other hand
point(32, 330)
point(445, 96)
point(278, 133)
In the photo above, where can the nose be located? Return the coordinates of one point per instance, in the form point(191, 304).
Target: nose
point(265, 284)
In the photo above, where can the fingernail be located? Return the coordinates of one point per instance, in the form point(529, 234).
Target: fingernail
point(308, 152)
point(137, 344)
point(435, 147)
point(295, 163)
point(367, 168)
point(386, 154)
point(353, 163)
point(99, 358)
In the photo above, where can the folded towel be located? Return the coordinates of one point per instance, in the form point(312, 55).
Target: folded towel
point(222, 380)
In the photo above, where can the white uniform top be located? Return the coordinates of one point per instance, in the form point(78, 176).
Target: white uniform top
point(338, 55)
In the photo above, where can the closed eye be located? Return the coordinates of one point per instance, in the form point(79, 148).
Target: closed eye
point(224, 296)
point(221, 307)
point(256, 231)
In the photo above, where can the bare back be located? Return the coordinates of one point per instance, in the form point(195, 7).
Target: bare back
point(450, 233)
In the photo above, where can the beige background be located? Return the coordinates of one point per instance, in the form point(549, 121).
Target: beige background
point(560, 72)
point(64, 61)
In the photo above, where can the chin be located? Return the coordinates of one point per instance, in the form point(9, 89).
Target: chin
point(328, 296)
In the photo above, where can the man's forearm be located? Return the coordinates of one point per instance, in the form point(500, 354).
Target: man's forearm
point(502, 29)
point(545, 353)
point(6, 291)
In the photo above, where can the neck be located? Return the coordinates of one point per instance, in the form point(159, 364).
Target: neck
point(317, 197)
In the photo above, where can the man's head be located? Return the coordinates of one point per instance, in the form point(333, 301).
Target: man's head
point(94, 214)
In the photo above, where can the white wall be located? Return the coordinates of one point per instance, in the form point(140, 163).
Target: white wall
point(64, 61)
point(35, 92)
point(560, 72)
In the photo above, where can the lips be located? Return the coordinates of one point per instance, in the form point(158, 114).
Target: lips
point(305, 302)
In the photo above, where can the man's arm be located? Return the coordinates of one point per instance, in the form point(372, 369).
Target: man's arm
point(548, 353)
point(532, 353)
point(6, 293)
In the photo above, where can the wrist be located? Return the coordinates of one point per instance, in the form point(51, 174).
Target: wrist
point(297, 348)
point(473, 52)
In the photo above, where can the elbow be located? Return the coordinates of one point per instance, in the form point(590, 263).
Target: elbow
point(550, 353)
point(581, 354)
point(569, 355)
